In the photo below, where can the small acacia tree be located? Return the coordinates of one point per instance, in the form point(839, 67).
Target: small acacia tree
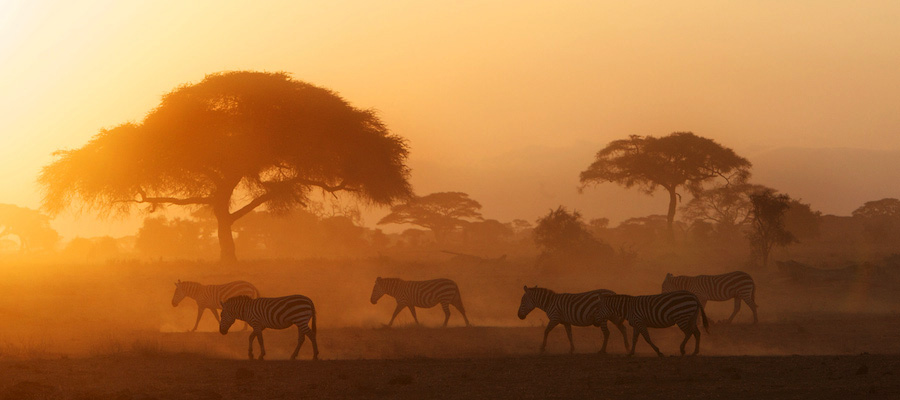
point(767, 223)
point(232, 143)
point(441, 212)
point(679, 160)
point(30, 226)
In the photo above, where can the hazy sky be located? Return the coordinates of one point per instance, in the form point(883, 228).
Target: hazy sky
point(492, 96)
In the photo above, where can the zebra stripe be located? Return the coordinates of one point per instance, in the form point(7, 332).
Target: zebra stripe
point(211, 296)
point(737, 285)
point(655, 311)
point(423, 294)
point(275, 313)
point(568, 309)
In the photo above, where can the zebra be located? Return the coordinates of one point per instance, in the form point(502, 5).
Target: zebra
point(737, 285)
point(655, 311)
point(569, 309)
point(211, 296)
point(424, 294)
point(275, 313)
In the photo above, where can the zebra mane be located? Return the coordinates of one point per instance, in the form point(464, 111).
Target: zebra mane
point(541, 290)
point(188, 284)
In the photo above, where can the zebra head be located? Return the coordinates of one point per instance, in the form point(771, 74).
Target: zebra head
point(179, 294)
point(231, 310)
point(527, 303)
point(377, 291)
point(668, 284)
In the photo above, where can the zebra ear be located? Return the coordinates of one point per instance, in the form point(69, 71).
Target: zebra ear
point(525, 287)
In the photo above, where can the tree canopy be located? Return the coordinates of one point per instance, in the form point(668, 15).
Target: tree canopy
point(679, 160)
point(768, 223)
point(30, 226)
point(441, 212)
point(233, 142)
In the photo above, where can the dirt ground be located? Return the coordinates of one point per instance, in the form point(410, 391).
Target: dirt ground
point(824, 357)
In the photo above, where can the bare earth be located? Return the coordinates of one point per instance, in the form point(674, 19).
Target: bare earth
point(826, 357)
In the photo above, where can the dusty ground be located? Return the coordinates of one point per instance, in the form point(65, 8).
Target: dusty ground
point(820, 357)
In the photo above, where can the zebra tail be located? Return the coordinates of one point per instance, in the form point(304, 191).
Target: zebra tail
point(313, 322)
point(705, 322)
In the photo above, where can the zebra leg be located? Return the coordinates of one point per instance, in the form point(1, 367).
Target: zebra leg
point(250, 349)
point(396, 311)
point(199, 315)
point(412, 309)
point(315, 345)
point(301, 336)
point(737, 307)
point(215, 314)
point(262, 347)
point(550, 326)
point(620, 324)
point(458, 304)
point(446, 307)
point(635, 331)
point(688, 332)
point(605, 330)
point(697, 343)
point(646, 336)
point(752, 305)
point(569, 334)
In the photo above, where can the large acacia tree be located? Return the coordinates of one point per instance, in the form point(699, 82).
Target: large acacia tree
point(679, 160)
point(233, 142)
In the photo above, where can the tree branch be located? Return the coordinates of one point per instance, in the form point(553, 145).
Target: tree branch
point(251, 205)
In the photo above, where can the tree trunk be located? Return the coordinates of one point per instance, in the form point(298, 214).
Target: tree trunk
point(670, 217)
point(226, 240)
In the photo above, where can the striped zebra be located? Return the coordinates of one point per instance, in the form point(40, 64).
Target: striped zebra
point(424, 294)
point(211, 296)
point(568, 309)
point(275, 313)
point(655, 311)
point(737, 285)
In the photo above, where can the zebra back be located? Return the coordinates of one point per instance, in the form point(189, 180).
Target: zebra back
point(212, 296)
point(416, 293)
point(713, 287)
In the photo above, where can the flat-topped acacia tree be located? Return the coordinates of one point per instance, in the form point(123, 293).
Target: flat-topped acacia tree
point(233, 142)
point(678, 160)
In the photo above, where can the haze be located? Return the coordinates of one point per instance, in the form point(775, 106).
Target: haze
point(497, 99)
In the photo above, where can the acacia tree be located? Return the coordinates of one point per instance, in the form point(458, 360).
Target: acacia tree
point(881, 219)
point(679, 160)
point(441, 212)
point(726, 206)
point(767, 222)
point(233, 142)
point(30, 226)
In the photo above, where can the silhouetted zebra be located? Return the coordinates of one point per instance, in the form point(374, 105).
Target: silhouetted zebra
point(569, 309)
point(424, 294)
point(275, 313)
point(655, 311)
point(211, 296)
point(737, 285)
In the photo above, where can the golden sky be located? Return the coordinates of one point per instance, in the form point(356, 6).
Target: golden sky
point(488, 93)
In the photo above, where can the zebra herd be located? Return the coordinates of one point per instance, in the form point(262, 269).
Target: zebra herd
point(681, 303)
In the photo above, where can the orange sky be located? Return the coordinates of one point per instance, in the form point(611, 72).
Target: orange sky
point(503, 100)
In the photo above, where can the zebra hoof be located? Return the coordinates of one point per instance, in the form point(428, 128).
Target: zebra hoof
point(251, 356)
point(660, 355)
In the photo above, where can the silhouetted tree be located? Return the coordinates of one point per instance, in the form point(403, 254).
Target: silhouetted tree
point(233, 142)
point(767, 222)
point(727, 207)
point(30, 226)
point(880, 219)
point(680, 159)
point(802, 221)
point(563, 235)
point(442, 213)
